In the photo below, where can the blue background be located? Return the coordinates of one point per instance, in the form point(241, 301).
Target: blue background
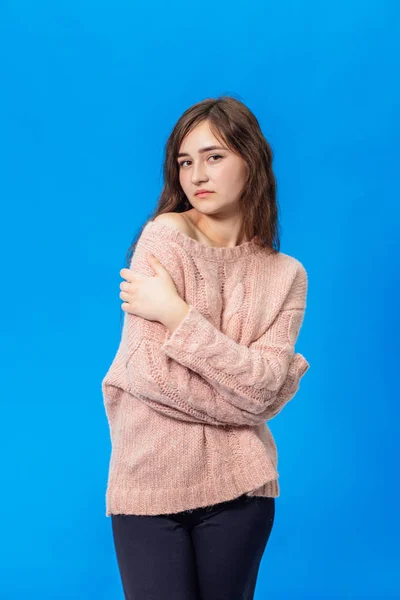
point(89, 94)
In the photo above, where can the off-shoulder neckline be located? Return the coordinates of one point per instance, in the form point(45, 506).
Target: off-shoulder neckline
point(200, 249)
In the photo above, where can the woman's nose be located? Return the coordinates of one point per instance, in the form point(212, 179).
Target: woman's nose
point(198, 174)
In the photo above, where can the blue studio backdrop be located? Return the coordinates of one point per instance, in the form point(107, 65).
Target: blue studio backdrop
point(89, 94)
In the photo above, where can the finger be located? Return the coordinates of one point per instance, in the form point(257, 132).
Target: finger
point(127, 274)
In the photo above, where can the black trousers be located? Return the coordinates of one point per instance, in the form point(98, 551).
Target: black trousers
point(211, 553)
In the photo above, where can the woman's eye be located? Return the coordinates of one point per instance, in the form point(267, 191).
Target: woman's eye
point(181, 164)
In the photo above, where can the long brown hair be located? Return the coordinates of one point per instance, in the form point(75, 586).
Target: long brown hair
point(232, 123)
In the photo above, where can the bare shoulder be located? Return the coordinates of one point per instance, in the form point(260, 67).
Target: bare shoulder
point(176, 221)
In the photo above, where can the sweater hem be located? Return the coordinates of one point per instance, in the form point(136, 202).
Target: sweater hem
point(127, 500)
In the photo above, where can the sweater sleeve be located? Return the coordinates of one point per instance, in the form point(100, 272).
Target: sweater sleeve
point(203, 375)
point(252, 374)
point(187, 400)
point(257, 369)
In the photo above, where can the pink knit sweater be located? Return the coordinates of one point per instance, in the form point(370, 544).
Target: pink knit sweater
point(187, 411)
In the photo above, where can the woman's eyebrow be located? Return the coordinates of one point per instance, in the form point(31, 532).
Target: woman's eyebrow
point(207, 149)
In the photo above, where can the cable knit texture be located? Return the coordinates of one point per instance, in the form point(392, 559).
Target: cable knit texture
point(188, 411)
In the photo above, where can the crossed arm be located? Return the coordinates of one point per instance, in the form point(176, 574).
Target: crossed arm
point(198, 374)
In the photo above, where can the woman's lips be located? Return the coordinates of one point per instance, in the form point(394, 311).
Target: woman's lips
point(201, 194)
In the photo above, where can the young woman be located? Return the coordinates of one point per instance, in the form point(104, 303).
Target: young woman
point(212, 313)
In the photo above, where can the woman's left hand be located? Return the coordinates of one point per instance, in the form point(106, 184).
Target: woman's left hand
point(148, 297)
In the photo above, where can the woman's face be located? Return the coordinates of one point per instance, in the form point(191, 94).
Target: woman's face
point(218, 170)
